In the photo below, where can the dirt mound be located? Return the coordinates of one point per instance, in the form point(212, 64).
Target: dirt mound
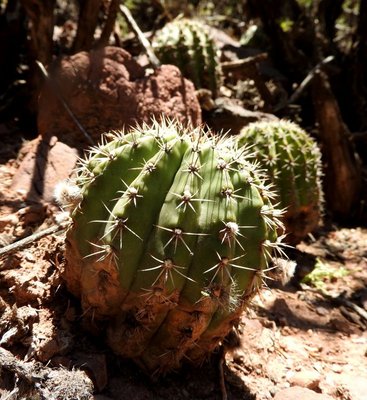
point(109, 79)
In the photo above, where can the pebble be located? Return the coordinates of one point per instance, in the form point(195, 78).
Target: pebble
point(300, 393)
point(307, 379)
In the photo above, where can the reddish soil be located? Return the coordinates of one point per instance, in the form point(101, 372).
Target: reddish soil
point(293, 335)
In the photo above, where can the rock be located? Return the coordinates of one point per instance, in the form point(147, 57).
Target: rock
point(309, 379)
point(107, 89)
point(6, 220)
point(300, 393)
point(167, 92)
point(47, 162)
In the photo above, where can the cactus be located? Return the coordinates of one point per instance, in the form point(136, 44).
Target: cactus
point(292, 161)
point(188, 45)
point(171, 234)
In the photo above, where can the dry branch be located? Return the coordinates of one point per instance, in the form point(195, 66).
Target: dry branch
point(143, 40)
point(87, 23)
point(248, 67)
point(41, 21)
point(109, 24)
point(304, 84)
point(11, 248)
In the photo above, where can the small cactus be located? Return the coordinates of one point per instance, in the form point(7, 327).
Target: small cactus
point(188, 45)
point(292, 161)
point(170, 237)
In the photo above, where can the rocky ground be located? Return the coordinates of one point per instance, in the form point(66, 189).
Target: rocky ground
point(304, 338)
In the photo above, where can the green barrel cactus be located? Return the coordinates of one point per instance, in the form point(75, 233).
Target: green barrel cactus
point(171, 234)
point(292, 161)
point(188, 45)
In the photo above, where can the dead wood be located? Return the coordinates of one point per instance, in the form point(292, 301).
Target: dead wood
point(248, 68)
point(226, 115)
point(343, 169)
point(109, 24)
point(87, 23)
point(41, 26)
point(305, 83)
point(11, 248)
point(140, 35)
point(48, 383)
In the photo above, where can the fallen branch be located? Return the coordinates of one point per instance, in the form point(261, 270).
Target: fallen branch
point(109, 24)
point(243, 63)
point(340, 301)
point(248, 67)
point(347, 303)
point(143, 40)
point(303, 85)
point(20, 244)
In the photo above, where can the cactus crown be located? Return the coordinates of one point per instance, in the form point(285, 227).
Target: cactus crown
point(170, 240)
point(292, 160)
point(188, 45)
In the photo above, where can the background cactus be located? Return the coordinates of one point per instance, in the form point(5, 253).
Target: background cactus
point(292, 160)
point(188, 45)
point(171, 234)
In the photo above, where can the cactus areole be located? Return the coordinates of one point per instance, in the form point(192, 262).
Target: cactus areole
point(171, 234)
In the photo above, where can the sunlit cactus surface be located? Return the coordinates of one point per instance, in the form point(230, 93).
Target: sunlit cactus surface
point(292, 161)
point(172, 233)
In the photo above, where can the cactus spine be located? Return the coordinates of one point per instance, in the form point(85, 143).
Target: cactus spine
point(188, 45)
point(292, 161)
point(171, 239)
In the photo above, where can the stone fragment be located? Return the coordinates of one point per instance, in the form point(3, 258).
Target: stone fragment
point(47, 162)
point(300, 393)
point(308, 378)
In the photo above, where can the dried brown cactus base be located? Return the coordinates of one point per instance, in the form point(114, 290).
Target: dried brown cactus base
point(183, 330)
point(300, 222)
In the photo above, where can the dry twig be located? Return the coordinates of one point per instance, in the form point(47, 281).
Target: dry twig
point(20, 244)
point(143, 40)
